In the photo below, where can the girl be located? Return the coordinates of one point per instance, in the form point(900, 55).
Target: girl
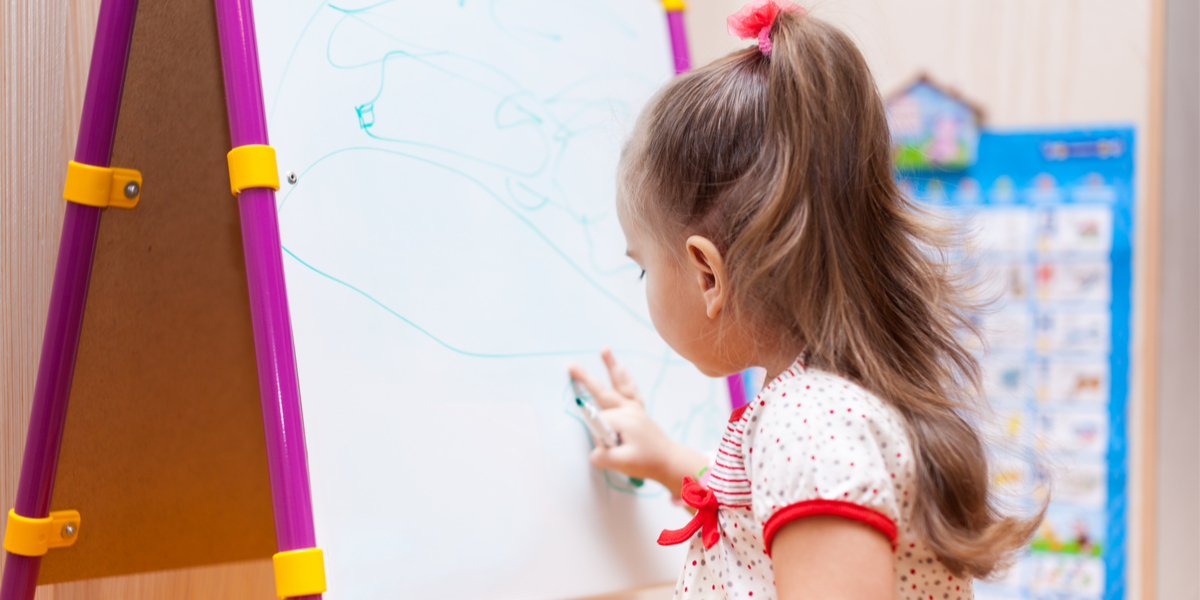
point(757, 194)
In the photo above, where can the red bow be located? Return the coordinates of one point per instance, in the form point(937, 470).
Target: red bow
point(705, 502)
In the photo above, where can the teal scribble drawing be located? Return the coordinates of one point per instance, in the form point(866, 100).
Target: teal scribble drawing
point(491, 123)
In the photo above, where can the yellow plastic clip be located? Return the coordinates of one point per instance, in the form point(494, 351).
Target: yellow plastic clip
point(34, 537)
point(252, 166)
point(102, 186)
point(674, 5)
point(299, 573)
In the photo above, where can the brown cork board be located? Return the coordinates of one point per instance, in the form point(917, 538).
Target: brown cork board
point(163, 451)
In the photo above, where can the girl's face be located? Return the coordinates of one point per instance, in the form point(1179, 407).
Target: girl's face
point(679, 307)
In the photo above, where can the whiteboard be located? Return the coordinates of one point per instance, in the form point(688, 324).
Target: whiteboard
point(450, 243)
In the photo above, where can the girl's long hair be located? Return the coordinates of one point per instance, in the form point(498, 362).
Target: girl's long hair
point(784, 162)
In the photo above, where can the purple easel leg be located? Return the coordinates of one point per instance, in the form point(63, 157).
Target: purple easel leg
point(737, 389)
point(52, 390)
point(679, 46)
point(277, 380)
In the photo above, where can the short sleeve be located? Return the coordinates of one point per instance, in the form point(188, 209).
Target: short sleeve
point(820, 445)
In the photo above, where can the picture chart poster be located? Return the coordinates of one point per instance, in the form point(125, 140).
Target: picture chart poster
point(1048, 234)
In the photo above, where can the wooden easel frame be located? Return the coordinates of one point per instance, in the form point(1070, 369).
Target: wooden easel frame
point(278, 383)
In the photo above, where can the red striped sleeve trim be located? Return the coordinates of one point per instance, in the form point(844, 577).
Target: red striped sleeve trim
point(728, 454)
point(729, 480)
point(731, 468)
point(830, 508)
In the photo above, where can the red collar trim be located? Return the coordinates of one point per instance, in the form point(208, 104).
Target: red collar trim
point(737, 413)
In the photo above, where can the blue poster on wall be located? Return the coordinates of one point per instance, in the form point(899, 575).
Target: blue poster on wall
point(1049, 236)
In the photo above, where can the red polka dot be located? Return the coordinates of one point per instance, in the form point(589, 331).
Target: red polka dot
point(874, 491)
point(852, 464)
point(693, 563)
point(784, 395)
point(831, 412)
point(847, 410)
point(762, 403)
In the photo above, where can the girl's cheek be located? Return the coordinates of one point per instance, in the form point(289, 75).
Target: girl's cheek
point(667, 313)
point(659, 311)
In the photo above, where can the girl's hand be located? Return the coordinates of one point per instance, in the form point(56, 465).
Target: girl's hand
point(645, 451)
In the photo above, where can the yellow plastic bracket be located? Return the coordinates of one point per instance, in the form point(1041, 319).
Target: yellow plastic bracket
point(102, 186)
point(35, 537)
point(299, 573)
point(252, 166)
point(674, 5)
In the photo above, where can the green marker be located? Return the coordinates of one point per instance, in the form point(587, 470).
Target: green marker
point(600, 430)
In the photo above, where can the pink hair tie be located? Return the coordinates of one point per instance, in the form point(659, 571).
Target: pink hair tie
point(755, 20)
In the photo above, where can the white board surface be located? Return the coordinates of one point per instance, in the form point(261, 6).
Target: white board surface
point(450, 244)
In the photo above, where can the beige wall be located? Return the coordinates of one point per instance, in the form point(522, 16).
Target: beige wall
point(1177, 505)
point(1026, 61)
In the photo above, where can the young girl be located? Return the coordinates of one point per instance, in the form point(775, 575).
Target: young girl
point(757, 194)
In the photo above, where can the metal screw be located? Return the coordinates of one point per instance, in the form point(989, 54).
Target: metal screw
point(131, 190)
point(291, 177)
point(68, 530)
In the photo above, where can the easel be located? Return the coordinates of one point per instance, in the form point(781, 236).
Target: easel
point(92, 185)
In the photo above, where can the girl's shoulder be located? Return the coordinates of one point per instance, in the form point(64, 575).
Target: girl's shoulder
point(818, 443)
point(811, 399)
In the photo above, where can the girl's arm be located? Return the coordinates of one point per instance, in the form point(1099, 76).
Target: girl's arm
point(831, 558)
point(645, 451)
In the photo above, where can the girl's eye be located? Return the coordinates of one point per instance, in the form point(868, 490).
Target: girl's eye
point(643, 275)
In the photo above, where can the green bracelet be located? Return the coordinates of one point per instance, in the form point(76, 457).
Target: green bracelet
point(700, 475)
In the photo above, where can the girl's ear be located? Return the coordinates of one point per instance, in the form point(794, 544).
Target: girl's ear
point(709, 270)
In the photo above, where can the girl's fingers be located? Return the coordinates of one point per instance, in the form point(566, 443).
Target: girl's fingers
point(612, 459)
point(600, 458)
point(619, 375)
point(604, 396)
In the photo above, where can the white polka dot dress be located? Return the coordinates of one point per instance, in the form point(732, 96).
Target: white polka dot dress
point(811, 443)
